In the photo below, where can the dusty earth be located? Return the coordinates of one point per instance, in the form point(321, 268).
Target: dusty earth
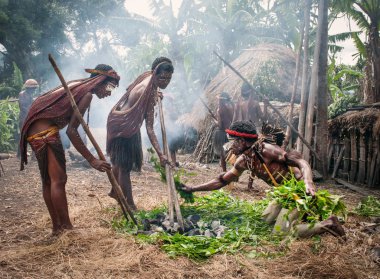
point(94, 250)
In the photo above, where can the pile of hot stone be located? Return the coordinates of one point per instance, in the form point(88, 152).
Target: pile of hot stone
point(193, 225)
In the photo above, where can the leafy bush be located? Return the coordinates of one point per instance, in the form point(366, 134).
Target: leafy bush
point(341, 105)
point(292, 194)
point(12, 87)
point(9, 115)
point(370, 206)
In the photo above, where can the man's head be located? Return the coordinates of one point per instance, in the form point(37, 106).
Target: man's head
point(225, 97)
point(246, 90)
point(163, 70)
point(106, 87)
point(30, 85)
point(242, 134)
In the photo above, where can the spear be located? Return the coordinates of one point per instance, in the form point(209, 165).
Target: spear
point(122, 201)
point(274, 109)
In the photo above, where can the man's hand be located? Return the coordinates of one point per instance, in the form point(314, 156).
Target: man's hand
point(186, 189)
point(164, 160)
point(310, 188)
point(100, 165)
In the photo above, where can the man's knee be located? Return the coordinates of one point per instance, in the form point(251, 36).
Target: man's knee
point(59, 180)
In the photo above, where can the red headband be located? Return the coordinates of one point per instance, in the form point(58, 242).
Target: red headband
point(238, 134)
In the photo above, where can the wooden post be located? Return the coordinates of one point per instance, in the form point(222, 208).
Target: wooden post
point(371, 176)
point(337, 163)
point(354, 156)
point(331, 146)
point(376, 173)
point(347, 154)
point(362, 159)
point(370, 154)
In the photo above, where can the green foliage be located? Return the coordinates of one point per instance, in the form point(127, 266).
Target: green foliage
point(292, 194)
point(188, 197)
point(245, 227)
point(341, 105)
point(370, 206)
point(9, 113)
point(13, 86)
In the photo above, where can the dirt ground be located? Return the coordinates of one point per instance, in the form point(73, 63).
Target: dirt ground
point(94, 250)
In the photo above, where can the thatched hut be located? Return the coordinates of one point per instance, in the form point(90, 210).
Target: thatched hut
point(269, 67)
point(354, 152)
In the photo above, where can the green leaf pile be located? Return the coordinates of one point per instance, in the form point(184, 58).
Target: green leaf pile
point(188, 197)
point(369, 207)
point(292, 194)
point(245, 227)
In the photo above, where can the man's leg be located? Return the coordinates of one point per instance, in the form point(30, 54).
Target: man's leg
point(46, 190)
point(58, 180)
point(115, 170)
point(223, 163)
point(330, 225)
point(124, 179)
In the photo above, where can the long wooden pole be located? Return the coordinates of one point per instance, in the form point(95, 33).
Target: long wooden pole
point(274, 109)
point(123, 203)
point(173, 199)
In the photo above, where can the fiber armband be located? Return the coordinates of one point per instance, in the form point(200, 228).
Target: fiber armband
point(222, 180)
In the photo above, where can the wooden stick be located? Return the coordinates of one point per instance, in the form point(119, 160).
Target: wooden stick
point(272, 107)
point(337, 163)
point(111, 177)
point(169, 174)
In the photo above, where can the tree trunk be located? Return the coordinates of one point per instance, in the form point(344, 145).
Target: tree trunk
point(295, 86)
point(372, 94)
point(322, 136)
point(305, 68)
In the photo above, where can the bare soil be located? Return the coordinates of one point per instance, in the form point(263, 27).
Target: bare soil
point(94, 250)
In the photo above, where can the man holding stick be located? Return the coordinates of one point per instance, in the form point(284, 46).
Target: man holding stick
point(48, 114)
point(263, 157)
point(125, 120)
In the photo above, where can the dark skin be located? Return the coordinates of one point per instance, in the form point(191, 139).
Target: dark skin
point(161, 81)
point(274, 157)
point(247, 108)
point(54, 190)
point(225, 114)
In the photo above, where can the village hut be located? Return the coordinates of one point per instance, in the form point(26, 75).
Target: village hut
point(270, 68)
point(354, 152)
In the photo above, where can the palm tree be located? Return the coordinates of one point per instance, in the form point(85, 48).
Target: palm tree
point(366, 13)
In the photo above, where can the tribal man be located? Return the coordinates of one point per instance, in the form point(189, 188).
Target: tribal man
point(25, 100)
point(224, 116)
point(125, 120)
point(264, 158)
point(48, 114)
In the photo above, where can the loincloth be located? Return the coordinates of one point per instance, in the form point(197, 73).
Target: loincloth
point(126, 152)
point(219, 139)
point(40, 143)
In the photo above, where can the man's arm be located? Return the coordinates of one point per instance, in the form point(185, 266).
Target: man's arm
point(149, 121)
point(222, 180)
point(72, 133)
point(274, 153)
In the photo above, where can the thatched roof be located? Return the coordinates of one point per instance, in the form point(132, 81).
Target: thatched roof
point(250, 64)
point(366, 120)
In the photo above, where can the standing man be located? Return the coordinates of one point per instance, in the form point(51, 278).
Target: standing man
point(271, 163)
point(247, 108)
point(225, 113)
point(125, 119)
point(48, 114)
point(25, 100)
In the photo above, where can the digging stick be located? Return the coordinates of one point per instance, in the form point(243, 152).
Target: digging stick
point(173, 199)
point(274, 109)
point(111, 177)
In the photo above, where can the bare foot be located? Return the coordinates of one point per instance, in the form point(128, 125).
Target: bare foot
point(333, 226)
point(112, 194)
